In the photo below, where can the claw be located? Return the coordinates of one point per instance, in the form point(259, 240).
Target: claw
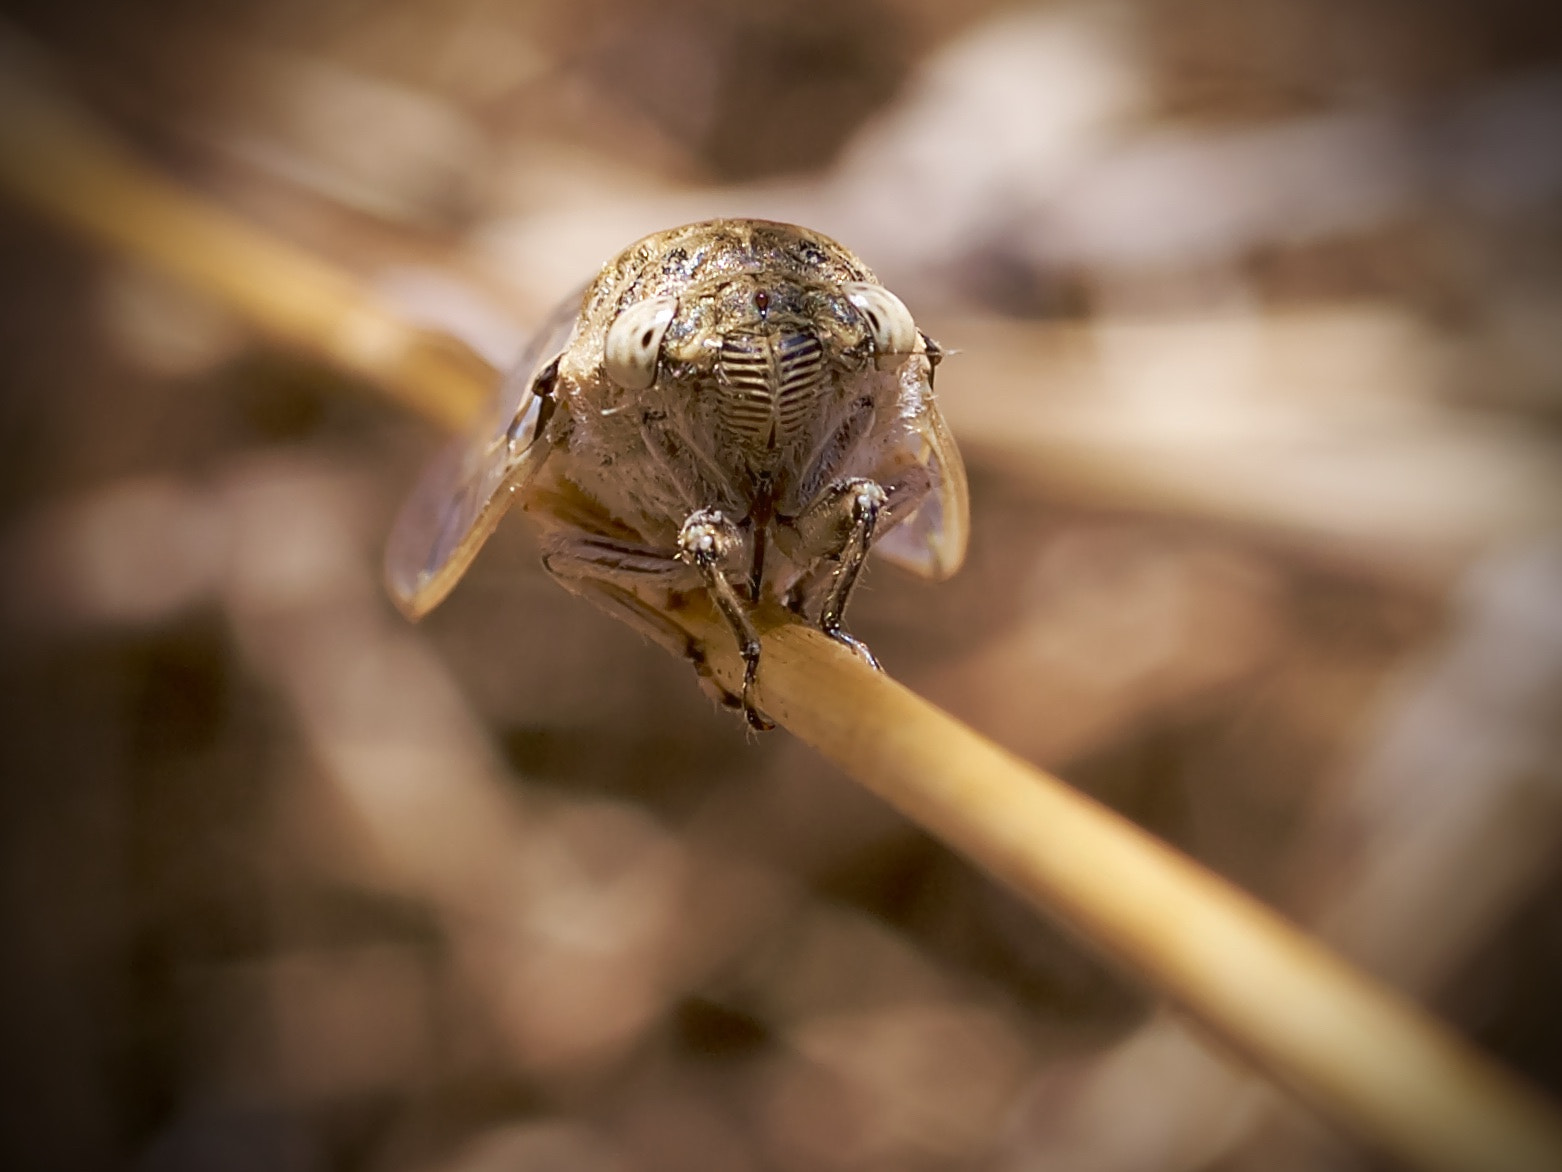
point(757, 720)
point(856, 645)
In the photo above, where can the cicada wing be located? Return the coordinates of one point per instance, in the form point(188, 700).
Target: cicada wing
point(471, 484)
point(931, 542)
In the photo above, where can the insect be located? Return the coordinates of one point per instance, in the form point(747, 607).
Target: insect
point(737, 407)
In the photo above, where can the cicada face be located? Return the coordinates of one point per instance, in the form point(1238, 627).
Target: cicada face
point(734, 406)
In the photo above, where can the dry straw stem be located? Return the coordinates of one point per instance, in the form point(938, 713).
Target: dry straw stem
point(57, 160)
point(1354, 1050)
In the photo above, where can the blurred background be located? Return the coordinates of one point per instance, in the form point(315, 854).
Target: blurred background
point(1258, 312)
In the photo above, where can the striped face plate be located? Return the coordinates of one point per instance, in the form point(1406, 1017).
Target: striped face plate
point(768, 386)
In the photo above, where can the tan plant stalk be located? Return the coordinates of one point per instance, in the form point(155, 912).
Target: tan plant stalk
point(1359, 1053)
point(55, 159)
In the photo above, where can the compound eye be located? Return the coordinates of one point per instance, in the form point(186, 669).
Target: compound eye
point(889, 321)
point(634, 341)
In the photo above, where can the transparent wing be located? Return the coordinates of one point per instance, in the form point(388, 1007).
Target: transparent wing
point(471, 484)
point(931, 542)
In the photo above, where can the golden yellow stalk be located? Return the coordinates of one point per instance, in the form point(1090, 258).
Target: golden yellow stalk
point(1356, 1051)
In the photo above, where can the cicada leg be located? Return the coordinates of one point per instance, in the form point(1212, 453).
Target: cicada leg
point(610, 573)
point(838, 528)
point(707, 542)
point(605, 573)
point(859, 502)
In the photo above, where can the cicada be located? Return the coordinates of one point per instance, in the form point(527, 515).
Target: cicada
point(737, 407)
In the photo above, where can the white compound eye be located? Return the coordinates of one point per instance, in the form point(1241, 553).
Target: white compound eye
point(889, 321)
point(634, 340)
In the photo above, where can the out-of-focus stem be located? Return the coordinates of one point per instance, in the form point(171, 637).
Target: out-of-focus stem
point(1356, 1051)
point(60, 163)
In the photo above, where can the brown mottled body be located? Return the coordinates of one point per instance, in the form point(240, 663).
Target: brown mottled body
point(735, 406)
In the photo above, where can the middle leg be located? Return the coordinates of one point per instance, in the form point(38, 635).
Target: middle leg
point(615, 574)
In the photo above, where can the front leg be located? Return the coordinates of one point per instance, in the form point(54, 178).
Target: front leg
point(707, 541)
point(838, 527)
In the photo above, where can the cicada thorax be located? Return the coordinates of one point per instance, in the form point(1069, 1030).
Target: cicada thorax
point(769, 390)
